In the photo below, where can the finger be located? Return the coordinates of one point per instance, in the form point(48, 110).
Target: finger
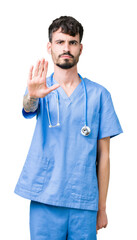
point(97, 227)
point(37, 69)
point(41, 68)
point(30, 72)
point(53, 87)
point(45, 70)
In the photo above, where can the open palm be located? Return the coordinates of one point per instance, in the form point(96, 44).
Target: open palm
point(37, 86)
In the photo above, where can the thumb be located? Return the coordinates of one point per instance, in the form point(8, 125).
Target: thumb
point(53, 87)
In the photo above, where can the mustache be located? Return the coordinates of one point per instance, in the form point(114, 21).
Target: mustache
point(67, 53)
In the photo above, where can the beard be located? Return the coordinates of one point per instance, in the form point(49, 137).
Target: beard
point(66, 63)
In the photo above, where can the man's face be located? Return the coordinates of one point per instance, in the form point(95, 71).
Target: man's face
point(65, 49)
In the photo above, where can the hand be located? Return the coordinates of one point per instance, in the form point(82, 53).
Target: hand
point(102, 220)
point(37, 87)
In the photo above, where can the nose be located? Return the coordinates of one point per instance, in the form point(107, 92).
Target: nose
point(66, 47)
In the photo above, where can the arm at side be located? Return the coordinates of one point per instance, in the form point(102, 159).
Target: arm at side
point(103, 170)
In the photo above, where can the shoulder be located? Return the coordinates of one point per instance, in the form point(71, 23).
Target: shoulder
point(99, 89)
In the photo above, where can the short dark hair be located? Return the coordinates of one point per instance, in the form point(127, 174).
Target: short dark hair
point(68, 25)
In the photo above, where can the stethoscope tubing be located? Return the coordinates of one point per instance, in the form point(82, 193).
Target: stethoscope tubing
point(85, 100)
point(85, 130)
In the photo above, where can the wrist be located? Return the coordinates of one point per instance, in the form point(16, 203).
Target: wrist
point(30, 97)
point(102, 208)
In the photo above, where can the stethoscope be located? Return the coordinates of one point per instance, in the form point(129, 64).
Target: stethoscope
point(85, 130)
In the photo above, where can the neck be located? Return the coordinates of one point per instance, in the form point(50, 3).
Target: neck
point(66, 77)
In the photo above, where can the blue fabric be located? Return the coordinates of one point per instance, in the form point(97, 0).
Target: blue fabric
point(49, 222)
point(60, 168)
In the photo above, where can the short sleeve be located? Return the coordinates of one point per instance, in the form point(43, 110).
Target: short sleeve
point(29, 114)
point(109, 125)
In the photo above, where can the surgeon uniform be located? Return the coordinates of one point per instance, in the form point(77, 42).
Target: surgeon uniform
point(59, 174)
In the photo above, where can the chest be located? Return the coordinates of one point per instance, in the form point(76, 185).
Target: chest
point(69, 90)
point(70, 112)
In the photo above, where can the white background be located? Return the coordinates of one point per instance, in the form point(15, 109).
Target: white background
point(109, 58)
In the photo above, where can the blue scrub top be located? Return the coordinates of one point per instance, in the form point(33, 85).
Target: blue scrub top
point(60, 168)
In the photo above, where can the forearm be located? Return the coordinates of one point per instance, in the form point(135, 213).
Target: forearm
point(103, 173)
point(30, 104)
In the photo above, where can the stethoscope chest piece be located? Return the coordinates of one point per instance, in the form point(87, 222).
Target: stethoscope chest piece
point(85, 131)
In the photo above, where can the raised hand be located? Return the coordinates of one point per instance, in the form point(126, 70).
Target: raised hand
point(37, 87)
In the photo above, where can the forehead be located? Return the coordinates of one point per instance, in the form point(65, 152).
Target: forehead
point(59, 35)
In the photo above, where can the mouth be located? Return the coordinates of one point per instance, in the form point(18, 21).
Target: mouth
point(66, 56)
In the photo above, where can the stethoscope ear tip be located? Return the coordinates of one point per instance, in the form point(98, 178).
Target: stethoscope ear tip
point(51, 126)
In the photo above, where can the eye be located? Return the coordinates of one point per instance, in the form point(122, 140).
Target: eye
point(59, 42)
point(73, 43)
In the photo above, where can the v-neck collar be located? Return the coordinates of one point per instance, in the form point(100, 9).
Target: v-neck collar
point(73, 94)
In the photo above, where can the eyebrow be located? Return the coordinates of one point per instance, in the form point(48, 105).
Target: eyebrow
point(61, 40)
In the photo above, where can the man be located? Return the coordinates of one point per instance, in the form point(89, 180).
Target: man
point(66, 173)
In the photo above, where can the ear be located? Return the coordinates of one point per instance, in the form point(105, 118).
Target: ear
point(49, 47)
point(81, 48)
